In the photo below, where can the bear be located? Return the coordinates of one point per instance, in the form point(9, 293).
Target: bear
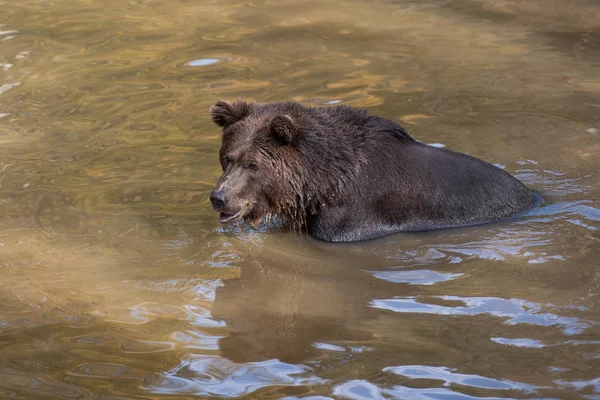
point(343, 175)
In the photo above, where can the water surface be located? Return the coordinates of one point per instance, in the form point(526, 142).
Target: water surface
point(119, 282)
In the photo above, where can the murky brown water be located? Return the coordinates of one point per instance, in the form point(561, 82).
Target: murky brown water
point(117, 280)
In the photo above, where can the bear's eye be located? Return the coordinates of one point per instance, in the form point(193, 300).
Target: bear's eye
point(253, 167)
point(227, 160)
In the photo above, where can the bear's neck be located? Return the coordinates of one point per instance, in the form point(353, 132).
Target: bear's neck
point(332, 150)
point(332, 155)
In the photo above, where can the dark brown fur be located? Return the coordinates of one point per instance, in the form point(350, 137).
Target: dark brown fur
point(344, 175)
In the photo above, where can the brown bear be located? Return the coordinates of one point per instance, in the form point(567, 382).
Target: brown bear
point(343, 175)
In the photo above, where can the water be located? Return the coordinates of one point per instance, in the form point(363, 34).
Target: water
point(119, 282)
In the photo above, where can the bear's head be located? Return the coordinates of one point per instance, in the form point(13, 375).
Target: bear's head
point(262, 169)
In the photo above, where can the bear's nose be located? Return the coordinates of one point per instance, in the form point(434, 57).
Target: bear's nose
point(218, 200)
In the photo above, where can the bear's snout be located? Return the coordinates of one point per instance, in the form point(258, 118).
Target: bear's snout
point(218, 200)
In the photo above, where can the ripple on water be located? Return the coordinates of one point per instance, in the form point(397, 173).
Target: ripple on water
point(505, 244)
point(363, 390)
point(574, 212)
point(194, 339)
point(7, 86)
point(329, 347)
point(147, 312)
point(216, 376)
point(592, 384)
point(416, 277)
point(38, 387)
point(516, 310)
point(107, 370)
point(116, 343)
point(200, 288)
point(521, 342)
point(450, 377)
point(202, 62)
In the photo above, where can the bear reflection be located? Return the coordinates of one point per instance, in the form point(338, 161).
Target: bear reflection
point(283, 303)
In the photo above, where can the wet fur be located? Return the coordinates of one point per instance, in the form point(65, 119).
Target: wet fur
point(344, 175)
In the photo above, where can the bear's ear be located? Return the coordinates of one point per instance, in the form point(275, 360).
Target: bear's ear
point(224, 113)
point(283, 128)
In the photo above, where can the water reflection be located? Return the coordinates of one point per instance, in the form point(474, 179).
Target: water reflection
point(516, 310)
point(364, 390)
point(214, 376)
point(278, 309)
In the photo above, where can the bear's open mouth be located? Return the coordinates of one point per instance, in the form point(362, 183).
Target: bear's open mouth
point(227, 217)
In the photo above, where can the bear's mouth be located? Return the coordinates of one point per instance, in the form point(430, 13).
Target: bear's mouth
point(230, 217)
